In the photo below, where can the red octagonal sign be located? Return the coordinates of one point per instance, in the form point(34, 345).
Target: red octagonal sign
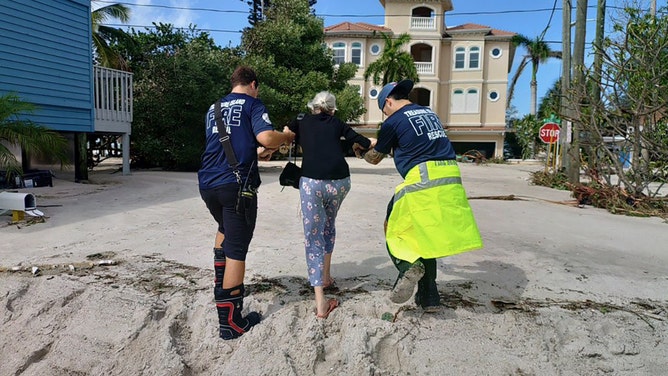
point(549, 133)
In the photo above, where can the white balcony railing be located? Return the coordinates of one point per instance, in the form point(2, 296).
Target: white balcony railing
point(113, 107)
point(423, 23)
point(426, 67)
point(113, 97)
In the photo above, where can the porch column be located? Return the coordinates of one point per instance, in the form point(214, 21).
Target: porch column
point(126, 153)
point(80, 157)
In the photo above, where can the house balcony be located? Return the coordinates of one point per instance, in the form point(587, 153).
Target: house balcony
point(423, 23)
point(424, 67)
point(113, 109)
point(113, 100)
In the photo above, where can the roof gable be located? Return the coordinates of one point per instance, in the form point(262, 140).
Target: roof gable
point(477, 28)
point(356, 28)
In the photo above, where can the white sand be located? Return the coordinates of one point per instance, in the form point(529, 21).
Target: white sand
point(557, 290)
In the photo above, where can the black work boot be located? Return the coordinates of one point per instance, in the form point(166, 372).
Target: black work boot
point(420, 291)
point(427, 294)
point(428, 297)
point(230, 303)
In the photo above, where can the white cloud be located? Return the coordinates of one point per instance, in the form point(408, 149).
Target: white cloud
point(146, 12)
point(184, 17)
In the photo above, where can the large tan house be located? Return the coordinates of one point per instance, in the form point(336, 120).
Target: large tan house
point(463, 69)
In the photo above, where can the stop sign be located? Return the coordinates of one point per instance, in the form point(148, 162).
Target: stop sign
point(549, 133)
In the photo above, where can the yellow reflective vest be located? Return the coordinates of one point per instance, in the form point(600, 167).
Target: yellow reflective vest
point(431, 216)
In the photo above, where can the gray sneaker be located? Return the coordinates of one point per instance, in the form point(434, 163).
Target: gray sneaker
point(403, 289)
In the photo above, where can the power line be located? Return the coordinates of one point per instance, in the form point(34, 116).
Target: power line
point(175, 27)
point(230, 11)
point(172, 7)
point(549, 21)
point(240, 31)
point(453, 14)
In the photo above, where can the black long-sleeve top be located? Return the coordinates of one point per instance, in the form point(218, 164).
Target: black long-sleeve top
point(319, 135)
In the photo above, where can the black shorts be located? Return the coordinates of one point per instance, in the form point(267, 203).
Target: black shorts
point(237, 228)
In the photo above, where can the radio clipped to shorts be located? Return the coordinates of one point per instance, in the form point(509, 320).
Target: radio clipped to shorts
point(245, 199)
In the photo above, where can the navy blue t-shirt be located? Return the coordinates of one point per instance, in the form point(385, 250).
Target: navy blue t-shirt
point(245, 118)
point(416, 135)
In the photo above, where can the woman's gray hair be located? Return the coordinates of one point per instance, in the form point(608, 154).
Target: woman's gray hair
point(324, 101)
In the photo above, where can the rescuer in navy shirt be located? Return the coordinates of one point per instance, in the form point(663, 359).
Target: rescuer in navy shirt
point(252, 135)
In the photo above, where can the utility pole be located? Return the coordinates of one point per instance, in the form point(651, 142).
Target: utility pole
point(598, 67)
point(598, 42)
point(564, 135)
point(644, 152)
point(580, 87)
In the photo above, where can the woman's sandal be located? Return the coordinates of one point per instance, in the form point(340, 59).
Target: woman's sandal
point(332, 303)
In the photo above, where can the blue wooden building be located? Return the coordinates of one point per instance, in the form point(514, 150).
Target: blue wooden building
point(46, 58)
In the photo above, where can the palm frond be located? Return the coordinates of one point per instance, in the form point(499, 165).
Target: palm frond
point(520, 40)
point(538, 51)
point(394, 63)
point(112, 11)
point(9, 163)
point(103, 34)
point(30, 137)
point(513, 82)
point(11, 107)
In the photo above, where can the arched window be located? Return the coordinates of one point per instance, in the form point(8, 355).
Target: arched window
point(422, 12)
point(465, 102)
point(421, 52)
point(474, 57)
point(423, 18)
point(472, 101)
point(467, 58)
point(339, 52)
point(460, 57)
point(422, 56)
point(458, 101)
point(356, 53)
point(421, 96)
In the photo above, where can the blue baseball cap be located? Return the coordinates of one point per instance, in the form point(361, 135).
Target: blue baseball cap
point(403, 86)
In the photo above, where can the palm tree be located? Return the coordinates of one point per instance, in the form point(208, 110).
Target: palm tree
point(526, 132)
point(259, 7)
point(106, 56)
point(394, 64)
point(551, 102)
point(538, 51)
point(14, 131)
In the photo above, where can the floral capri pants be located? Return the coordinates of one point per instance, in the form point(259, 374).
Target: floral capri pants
point(320, 202)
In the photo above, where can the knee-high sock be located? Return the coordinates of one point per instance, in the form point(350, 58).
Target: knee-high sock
point(218, 266)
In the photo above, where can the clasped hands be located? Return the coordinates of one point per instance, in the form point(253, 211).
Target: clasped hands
point(264, 153)
point(359, 150)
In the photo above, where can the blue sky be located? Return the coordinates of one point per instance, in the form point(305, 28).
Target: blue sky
point(224, 19)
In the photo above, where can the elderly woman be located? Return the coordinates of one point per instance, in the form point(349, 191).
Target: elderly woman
point(324, 184)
